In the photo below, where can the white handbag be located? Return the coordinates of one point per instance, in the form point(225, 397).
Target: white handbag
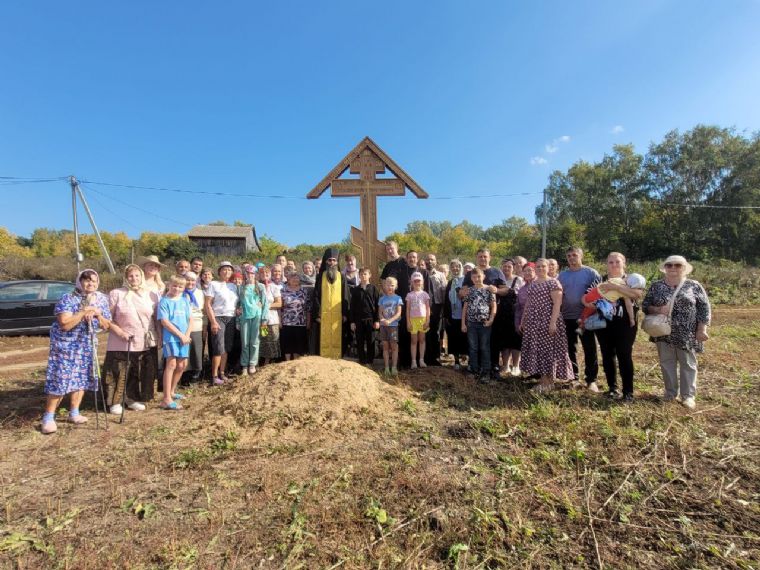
point(659, 325)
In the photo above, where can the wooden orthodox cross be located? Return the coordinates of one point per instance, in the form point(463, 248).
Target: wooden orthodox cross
point(367, 160)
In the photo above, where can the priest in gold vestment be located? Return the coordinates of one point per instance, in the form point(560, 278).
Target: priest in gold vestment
point(330, 306)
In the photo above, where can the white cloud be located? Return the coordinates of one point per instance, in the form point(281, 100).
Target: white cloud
point(538, 160)
point(553, 146)
point(617, 129)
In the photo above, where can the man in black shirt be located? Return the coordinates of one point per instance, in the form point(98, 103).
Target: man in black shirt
point(402, 270)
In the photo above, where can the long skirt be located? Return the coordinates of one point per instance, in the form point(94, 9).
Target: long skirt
point(269, 346)
point(139, 385)
point(293, 340)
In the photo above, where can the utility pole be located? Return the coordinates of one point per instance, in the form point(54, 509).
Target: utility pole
point(74, 184)
point(78, 191)
point(543, 227)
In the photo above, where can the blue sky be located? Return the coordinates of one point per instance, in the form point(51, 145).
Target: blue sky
point(265, 98)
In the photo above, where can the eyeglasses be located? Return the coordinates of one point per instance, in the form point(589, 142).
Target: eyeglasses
point(670, 265)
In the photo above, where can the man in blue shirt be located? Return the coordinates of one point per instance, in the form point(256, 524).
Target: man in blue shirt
point(576, 280)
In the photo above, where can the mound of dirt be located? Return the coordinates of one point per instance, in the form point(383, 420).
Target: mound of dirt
point(311, 394)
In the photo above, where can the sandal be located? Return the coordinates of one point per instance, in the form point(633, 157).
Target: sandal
point(171, 406)
point(179, 396)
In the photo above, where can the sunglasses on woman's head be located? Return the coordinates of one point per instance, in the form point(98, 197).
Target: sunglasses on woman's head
point(669, 265)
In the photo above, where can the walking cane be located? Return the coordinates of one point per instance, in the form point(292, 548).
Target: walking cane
point(126, 379)
point(96, 377)
point(90, 300)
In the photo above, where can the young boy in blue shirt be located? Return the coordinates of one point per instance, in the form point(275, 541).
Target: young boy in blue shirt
point(389, 313)
point(175, 316)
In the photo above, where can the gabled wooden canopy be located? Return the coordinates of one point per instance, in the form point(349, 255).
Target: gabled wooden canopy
point(389, 163)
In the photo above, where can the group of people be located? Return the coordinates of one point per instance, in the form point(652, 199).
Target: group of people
point(522, 319)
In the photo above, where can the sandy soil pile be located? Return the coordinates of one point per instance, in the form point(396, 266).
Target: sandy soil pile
point(312, 394)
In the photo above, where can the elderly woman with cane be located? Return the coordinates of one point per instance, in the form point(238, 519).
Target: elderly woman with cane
point(73, 348)
point(129, 370)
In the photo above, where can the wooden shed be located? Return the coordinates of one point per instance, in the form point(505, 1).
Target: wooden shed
point(225, 241)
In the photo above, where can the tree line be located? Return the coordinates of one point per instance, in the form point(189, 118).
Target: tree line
point(691, 193)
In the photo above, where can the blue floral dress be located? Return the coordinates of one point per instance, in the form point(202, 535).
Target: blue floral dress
point(70, 361)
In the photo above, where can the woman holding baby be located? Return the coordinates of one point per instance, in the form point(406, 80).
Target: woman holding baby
point(617, 338)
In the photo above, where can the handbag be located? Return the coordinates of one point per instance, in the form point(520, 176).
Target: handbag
point(595, 323)
point(659, 325)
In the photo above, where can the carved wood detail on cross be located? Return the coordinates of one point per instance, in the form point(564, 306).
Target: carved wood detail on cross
point(367, 160)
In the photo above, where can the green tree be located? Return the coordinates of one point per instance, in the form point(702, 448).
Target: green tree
point(695, 167)
point(181, 248)
point(456, 242)
point(52, 243)
point(270, 248)
point(151, 243)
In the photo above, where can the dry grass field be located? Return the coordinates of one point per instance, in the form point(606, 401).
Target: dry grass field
point(320, 464)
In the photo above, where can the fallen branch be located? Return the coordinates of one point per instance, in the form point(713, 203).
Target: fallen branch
point(587, 493)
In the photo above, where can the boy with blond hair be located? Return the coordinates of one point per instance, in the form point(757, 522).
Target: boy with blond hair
point(389, 315)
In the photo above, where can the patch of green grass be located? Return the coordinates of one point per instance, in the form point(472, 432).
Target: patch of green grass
point(488, 426)
point(511, 466)
point(225, 442)
point(195, 457)
point(409, 407)
point(190, 458)
point(377, 513)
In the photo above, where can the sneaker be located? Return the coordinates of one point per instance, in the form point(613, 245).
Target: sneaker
point(668, 398)
point(218, 381)
point(116, 409)
point(136, 407)
point(251, 370)
point(48, 427)
point(628, 398)
point(689, 403)
point(244, 371)
point(78, 419)
point(614, 395)
point(593, 387)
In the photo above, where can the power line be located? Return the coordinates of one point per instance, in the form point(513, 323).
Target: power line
point(110, 211)
point(182, 223)
point(712, 206)
point(286, 197)
point(14, 180)
point(205, 192)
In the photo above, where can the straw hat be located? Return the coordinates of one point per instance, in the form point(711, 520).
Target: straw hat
point(678, 259)
point(141, 261)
